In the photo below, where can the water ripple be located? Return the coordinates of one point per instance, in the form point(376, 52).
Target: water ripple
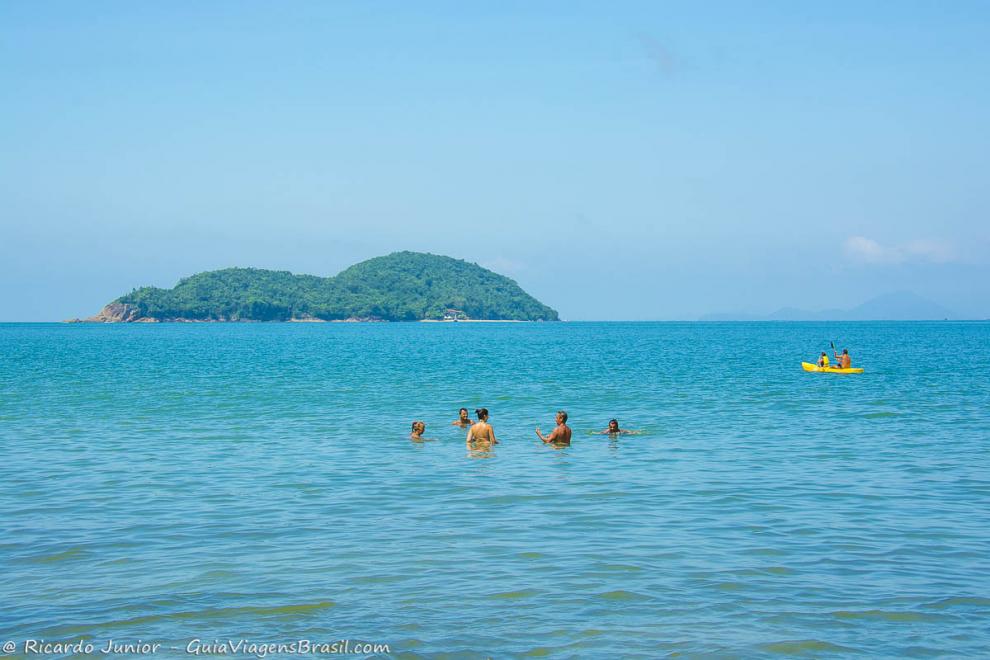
point(257, 481)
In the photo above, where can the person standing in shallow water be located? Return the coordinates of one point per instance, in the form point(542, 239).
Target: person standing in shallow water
point(559, 436)
point(463, 420)
point(481, 435)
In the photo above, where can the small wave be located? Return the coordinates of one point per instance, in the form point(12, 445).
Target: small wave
point(802, 646)
point(621, 567)
point(215, 613)
point(622, 595)
point(957, 601)
point(65, 555)
point(379, 579)
point(513, 499)
point(512, 595)
point(886, 615)
point(778, 570)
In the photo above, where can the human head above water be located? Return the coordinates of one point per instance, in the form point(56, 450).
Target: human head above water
point(613, 425)
point(562, 415)
point(482, 413)
point(845, 351)
point(418, 426)
point(463, 412)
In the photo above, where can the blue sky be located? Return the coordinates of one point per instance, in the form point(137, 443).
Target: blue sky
point(619, 160)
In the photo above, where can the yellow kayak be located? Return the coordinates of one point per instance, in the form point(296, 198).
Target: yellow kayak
point(807, 366)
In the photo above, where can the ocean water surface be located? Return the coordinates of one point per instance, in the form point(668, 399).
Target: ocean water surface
point(256, 481)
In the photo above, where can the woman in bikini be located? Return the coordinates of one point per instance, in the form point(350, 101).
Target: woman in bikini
point(481, 435)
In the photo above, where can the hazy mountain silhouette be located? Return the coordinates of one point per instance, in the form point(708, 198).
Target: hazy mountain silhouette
point(899, 306)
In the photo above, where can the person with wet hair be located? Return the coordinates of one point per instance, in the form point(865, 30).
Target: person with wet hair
point(463, 420)
point(613, 429)
point(481, 435)
point(418, 429)
point(560, 436)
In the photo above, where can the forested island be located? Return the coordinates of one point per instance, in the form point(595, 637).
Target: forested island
point(403, 286)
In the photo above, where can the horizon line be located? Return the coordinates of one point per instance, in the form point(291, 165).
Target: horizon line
point(697, 320)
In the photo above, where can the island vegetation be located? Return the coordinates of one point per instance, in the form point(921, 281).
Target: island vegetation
point(403, 286)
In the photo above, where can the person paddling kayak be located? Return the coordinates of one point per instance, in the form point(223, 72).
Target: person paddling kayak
point(843, 363)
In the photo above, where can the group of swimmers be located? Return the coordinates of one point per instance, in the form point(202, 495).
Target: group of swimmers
point(481, 435)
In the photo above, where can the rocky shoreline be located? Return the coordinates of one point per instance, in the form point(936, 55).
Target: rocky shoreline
point(117, 312)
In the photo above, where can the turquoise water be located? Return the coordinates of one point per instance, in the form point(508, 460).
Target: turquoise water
point(220, 481)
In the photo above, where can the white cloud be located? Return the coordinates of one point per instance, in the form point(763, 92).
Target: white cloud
point(937, 251)
point(866, 250)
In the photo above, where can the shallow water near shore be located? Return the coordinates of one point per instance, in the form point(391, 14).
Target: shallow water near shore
point(223, 481)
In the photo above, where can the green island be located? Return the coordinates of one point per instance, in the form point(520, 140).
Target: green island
point(403, 286)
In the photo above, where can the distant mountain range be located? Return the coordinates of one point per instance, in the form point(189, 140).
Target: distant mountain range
point(900, 306)
point(403, 286)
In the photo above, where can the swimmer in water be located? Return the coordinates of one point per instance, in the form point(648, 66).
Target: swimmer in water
point(418, 429)
point(613, 429)
point(560, 436)
point(481, 434)
point(463, 420)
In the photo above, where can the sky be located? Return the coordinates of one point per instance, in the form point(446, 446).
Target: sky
point(620, 160)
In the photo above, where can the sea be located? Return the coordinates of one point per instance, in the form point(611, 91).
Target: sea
point(199, 486)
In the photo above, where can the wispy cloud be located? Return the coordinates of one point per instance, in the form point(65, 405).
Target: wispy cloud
point(663, 59)
point(867, 250)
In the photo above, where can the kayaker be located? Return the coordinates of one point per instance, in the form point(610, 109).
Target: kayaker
point(844, 361)
point(823, 360)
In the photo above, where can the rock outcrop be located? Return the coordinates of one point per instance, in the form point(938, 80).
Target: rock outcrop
point(117, 312)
